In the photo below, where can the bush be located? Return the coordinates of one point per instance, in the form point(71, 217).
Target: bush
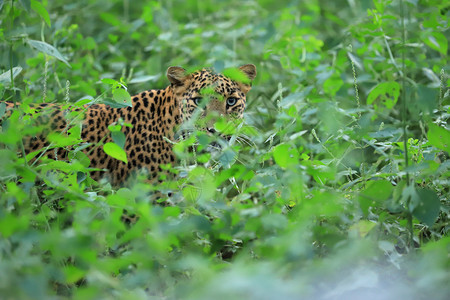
point(336, 187)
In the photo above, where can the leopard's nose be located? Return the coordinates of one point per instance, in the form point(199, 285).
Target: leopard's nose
point(211, 130)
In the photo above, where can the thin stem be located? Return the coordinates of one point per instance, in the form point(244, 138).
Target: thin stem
point(405, 137)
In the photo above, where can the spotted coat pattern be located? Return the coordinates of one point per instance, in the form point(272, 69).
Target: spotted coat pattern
point(154, 115)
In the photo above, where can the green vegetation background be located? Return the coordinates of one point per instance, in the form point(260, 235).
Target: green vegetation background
point(342, 193)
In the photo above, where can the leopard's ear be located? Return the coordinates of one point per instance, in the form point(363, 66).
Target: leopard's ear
point(176, 75)
point(249, 70)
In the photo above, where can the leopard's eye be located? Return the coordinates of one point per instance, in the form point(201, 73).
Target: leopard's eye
point(197, 100)
point(231, 101)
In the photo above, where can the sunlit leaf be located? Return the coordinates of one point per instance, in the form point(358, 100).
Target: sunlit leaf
point(385, 94)
point(115, 151)
point(236, 75)
point(121, 96)
point(6, 76)
point(285, 155)
point(60, 140)
point(41, 11)
point(73, 274)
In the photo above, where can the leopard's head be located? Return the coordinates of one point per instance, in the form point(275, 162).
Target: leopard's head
point(207, 95)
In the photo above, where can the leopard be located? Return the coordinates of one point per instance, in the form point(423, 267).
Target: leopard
point(153, 118)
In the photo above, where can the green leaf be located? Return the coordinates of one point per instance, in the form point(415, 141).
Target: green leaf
point(122, 96)
point(427, 99)
point(385, 93)
point(172, 211)
point(363, 227)
point(375, 194)
point(41, 11)
point(114, 104)
point(333, 84)
point(115, 151)
point(439, 137)
point(61, 140)
point(228, 157)
point(428, 206)
point(73, 274)
point(10, 224)
point(47, 49)
point(25, 4)
point(146, 78)
point(236, 75)
point(437, 41)
point(285, 156)
point(6, 76)
point(110, 81)
point(2, 109)
point(63, 166)
point(119, 138)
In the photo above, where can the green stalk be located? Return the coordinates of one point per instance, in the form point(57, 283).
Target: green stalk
point(22, 148)
point(11, 53)
point(405, 137)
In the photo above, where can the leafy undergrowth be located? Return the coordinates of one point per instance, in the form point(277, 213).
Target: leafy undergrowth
point(336, 186)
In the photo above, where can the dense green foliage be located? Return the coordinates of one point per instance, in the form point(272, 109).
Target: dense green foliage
point(339, 192)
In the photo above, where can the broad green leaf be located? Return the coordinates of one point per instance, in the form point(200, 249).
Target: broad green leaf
point(115, 151)
point(190, 193)
point(227, 127)
point(204, 181)
point(296, 98)
point(333, 84)
point(385, 93)
point(363, 227)
point(121, 96)
point(6, 76)
point(83, 101)
point(439, 137)
point(428, 206)
point(110, 81)
point(146, 78)
point(89, 43)
point(172, 211)
point(236, 75)
point(285, 156)
point(73, 274)
point(114, 104)
point(10, 224)
point(41, 11)
point(63, 166)
point(427, 100)
point(110, 19)
point(119, 138)
point(227, 158)
point(375, 194)
point(47, 49)
point(61, 140)
point(437, 41)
